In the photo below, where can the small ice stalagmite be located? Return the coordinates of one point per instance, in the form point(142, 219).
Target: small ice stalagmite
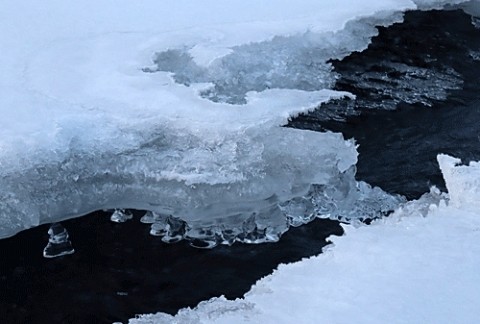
point(150, 217)
point(58, 242)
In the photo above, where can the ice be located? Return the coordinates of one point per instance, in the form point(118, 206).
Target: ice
point(462, 181)
point(410, 84)
point(58, 242)
point(176, 109)
point(418, 265)
point(121, 215)
point(149, 217)
point(85, 128)
point(294, 62)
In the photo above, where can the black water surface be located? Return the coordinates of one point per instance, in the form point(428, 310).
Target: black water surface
point(119, 270)
point(398, 148)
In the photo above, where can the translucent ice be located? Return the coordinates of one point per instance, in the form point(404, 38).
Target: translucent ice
point(121, 215)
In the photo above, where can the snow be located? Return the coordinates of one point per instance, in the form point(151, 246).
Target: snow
point(420, 265)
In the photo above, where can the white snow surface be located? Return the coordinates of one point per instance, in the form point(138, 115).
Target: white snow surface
point(420, 265)
point(85, 127)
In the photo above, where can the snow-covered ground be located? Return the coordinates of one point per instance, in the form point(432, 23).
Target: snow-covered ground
point(420, 265)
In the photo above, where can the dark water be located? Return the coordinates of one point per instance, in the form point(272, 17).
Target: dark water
point(398, 148)
point(119, 270)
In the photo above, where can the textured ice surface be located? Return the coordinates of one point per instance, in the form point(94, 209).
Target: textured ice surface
point(293, 62)
point(84, 127)
point(418, 265)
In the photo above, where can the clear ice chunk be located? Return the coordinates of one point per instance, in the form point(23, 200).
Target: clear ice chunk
point(174, 230)
point(298, 211)
point(148, 218)
point(58, 242)
point(203, 238)
point(351, 201)
point(171, 229)
point(121, 215)
point(158, 221)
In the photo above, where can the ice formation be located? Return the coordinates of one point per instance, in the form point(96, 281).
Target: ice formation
point(121, 215)
point(58, 242)
point(463, 181)
point(87, 125)
point(418, 265)
point(284, 62)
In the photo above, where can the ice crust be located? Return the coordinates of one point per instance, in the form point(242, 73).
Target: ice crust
point(85, 127)
point(418, 265)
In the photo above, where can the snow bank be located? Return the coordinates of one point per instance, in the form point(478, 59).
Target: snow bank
point(419, 265)
point(175, 108)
